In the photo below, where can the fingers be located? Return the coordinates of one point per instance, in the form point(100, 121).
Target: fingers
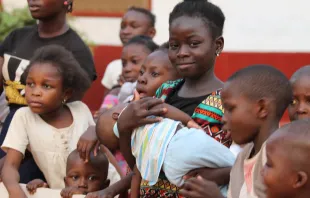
point(136, 96)
point(193, 124)
point(87, 152)
point(66, 193)
point(190, 174)
point(149, 103)
point(96, 148)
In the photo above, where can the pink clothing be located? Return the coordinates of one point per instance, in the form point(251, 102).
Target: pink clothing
point(109, 101)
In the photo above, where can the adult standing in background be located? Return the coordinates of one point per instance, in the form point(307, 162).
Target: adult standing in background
point(135, 22)
point(18, 48)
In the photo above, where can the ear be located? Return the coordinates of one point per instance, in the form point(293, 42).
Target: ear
point(301, 179)
point(262, 108)
point(219, 44)
point(67, 94)
point(115, 115)
point(151, 32)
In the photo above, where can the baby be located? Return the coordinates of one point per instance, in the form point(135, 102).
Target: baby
point(81, 177)
point(181, 149)
point(287, 171)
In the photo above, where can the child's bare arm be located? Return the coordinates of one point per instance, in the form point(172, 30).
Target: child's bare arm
point(119, 188)
point(34, 184)
point(10, 175)
point(135, 183)
point(175, 114)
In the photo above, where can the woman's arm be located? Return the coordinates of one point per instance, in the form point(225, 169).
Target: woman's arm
point(10, 175)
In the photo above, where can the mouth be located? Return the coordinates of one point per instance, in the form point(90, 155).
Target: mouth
point(34, 8)
point(125, 39)
point(130, 79)
point(184, 66)
point(35, 104)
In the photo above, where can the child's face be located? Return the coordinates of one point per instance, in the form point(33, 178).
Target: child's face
point(239, 115)
point(133, 56)
point(44, 89)
point(41, 9)
point(156, 70)
point(134, 24)
point(278, 172)
point(300, 107)
point(191, 47)
point(85, 177)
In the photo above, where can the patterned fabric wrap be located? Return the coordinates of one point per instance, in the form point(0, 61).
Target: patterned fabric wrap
point(162, 189)
point(208, 114)
point(149, 144)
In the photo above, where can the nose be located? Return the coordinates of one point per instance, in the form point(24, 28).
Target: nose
point(36, 92)
point(142, 79)
point(127, 68)
point(302, 108)
point(183, 51)
point(83, 183)
point(126, 30)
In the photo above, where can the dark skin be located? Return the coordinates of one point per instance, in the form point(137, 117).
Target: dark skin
point(51, 16)
point(133, 24)
point(44, 94)
point(192, 50)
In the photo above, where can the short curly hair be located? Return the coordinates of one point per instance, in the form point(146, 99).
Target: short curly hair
point(211, 14)
point(74, 77)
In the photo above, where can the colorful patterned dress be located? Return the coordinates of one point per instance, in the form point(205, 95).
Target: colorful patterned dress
point(208, 115)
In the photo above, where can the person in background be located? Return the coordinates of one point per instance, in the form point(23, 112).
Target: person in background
point(300, 106)
point(262, 93)
point(136, 21)
point(19, 47)
point(287, 171)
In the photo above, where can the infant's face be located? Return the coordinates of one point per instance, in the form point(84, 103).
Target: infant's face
point(85, 177)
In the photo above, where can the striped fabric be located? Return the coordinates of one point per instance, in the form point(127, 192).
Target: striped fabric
point(208, 114)
point(149, 144)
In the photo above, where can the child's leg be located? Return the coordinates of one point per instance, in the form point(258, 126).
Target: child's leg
point(135, 183)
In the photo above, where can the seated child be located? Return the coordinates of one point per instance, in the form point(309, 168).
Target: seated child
point(49, 127)
point(287, 171)
point(254, 99)
point(81, 178)
point(300, 107)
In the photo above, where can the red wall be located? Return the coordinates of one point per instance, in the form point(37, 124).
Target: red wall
point(227, 63)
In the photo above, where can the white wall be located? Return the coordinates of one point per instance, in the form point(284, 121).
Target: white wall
point(251, 25)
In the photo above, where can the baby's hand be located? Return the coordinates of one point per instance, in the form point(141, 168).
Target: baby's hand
point(70, 191)
point(200, 188)
point(34, 184)
point(193, 124)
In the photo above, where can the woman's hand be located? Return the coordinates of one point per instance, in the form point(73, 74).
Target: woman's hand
point(88, 142)
point(34, 184)
point(200, 188)
point(220, 176)
point(137, 114)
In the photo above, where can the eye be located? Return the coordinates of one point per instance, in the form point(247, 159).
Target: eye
point(155, 74)
point(135, 61)
point(141, 72)
point(74, 178)
point(47, 86)
point(92, 178)
point(294, 102)
point(173, 46)
point(30, 84)
point(194, 44)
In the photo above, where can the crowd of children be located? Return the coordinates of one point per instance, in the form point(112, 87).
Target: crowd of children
point(167, 123)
